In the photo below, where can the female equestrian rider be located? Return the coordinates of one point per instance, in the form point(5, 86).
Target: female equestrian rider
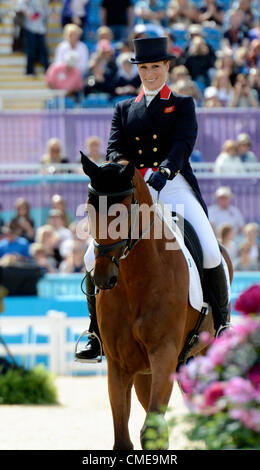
point(157, 130)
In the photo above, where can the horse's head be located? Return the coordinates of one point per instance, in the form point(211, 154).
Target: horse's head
point(109, 206)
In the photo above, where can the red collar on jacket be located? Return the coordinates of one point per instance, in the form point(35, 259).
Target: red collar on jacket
point(164, 94)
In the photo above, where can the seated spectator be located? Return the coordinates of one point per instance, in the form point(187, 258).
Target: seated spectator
point(251, 232)
point(127, 80)
point(58, 203)
point(240, 60)
point(101, 77)
point(39, 254)
point(253, 57)
point(226, 238)
point(22, 222)
point(72, 42)
point(104, 32)
point(119, 16)
point(244, 96)
point(74, 261)
point(245, 153)
point(223, 86)
point(173, 49)
point(188, 88)
point(13, 244)
point(236, 32)
point(180, 72)
point(228, 160)
point(47, 236)
point(66, 76)
point(75, 12)
point(224, 212)
point(199, 61)
point(56, 221)
point(149, 11)
point(211, 99)
point(226, 62)
point(254, 31)
point(93, 148)
point(211, 10)
point(53, 156)
point(248, 11)
point(182, 12)
point(243, 262)
point(254, 81)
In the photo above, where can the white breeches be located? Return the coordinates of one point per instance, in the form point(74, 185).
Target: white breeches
point(179, 192)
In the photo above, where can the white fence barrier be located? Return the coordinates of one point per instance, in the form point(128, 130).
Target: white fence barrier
point(60, 331)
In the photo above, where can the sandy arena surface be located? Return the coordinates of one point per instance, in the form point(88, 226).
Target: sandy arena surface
point(82, 420)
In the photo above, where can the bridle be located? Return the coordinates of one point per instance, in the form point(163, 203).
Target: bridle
point(126, 244)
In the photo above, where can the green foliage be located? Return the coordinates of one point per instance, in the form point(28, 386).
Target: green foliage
point(35, 386)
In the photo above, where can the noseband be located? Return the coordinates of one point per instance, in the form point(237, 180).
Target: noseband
point(127, 244)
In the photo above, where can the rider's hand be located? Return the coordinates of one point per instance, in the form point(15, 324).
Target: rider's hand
point(158, 180)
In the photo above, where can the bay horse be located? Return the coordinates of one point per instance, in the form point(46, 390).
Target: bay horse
point(142, 304)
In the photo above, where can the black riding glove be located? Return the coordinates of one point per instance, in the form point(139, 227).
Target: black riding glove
point(158, 180)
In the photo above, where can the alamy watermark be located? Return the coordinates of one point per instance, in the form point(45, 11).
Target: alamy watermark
point(119, 221)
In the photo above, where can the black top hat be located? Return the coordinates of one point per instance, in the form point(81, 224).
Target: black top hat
point(150, 50)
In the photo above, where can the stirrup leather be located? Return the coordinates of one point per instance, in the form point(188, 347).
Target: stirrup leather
point(90, 361)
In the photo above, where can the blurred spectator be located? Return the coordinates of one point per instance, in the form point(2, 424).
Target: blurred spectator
point(22, 222)
point(75, 11)
point(74, 261)
point(243, 262)
point(253, 57)
point(39, 254)
point(211, 10)
point(93, 148)
point(236, 32)
point(127, 81)
point(224, 212)
point(173, 49)
point(119, 16)
point(66, 76)
point(13, 244)
point(245, 153)
point(53, 156)
point(181, 11)
point(249, 13)
point(104, 32)
point(244, 96)
point(101, 77)
point(226, 238)
point(180, 72)
point(226, 62)
point(47, 236)
point(35, 27)
point(240, 58)
point(228, 160)
point(199, 61)
point(223, 86)
point(254, 31)
point(150, 11)
point(188, 88)
point(254, 80)
point(58, 202)
point(56, 220)
point(251, 232)
point(71, 42)
point(211, 99)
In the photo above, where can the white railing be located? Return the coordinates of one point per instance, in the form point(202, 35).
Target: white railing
point(60, 350)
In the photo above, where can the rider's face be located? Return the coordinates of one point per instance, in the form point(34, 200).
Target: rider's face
point(153, 75)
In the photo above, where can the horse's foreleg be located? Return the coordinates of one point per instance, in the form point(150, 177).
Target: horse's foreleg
point(163, 362)
point(119, 387)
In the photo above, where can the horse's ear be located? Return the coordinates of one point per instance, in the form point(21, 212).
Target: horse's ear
point(129, 170)
point(89, 167)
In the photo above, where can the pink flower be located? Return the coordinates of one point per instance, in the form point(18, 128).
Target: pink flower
point(254, 376)
point(250, 418)
point(213, 392)
point(249, 301)
point(240, 390)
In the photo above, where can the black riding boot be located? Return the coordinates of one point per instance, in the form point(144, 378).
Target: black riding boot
point(91, 352)
point(216, 284)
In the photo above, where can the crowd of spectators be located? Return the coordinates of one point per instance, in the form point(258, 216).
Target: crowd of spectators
point(216, 41)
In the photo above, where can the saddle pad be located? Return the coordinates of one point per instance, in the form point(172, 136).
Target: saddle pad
point(195, 287)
